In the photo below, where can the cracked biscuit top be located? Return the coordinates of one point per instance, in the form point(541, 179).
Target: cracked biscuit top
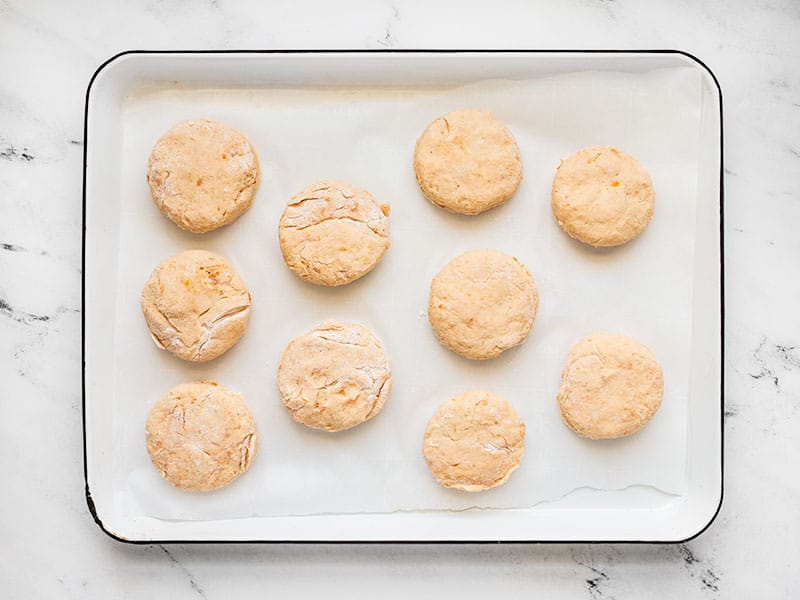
point(602, 196)
point(200, 436)
point(611, 386)
point(482, 303)
point(203, 175)
point(195, 305)
point(467, 161)
point(333, 233)
point(474, 441)
point(334, 377)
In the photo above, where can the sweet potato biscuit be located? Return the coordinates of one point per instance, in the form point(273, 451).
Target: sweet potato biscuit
point(200, 436)
point(602, 196)
point(333, 233)
point(467, 162)
point(334, 377)
point(474, 441)
point(195, 305)
point(203, 175)
point(482, 303)
point(611, 386)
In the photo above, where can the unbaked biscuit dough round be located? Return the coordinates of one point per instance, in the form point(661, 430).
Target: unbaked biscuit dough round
point(474, 441)
point(333, 233)
point(203, 175)
point(482, 303)
point(334, 377)
point(602, 196)
point(201, 436)
point(610, 387)
point(467, 162)
point(195, 305)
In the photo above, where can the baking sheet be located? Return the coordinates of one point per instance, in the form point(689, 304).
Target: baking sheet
point(366, 136)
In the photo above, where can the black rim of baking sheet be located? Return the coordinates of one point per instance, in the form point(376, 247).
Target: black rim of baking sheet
point(700, 63)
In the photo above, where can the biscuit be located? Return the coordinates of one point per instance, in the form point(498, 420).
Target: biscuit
point(474, 441)
point(332, 233)
point(334, 377)
point(201, 436)
point(467, 162)
point(602, 196)
point(195, 305)
point(610, 387)
point(482, 303)
point(203, 175)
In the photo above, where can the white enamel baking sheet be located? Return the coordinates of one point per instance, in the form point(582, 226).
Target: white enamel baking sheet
point(356, 116)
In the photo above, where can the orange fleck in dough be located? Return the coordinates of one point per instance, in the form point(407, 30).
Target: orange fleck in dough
point(333, 233)
point(195, 305)
point(334, 377)
point(482, 303)
point(467, 162)
point(602, 196)
point(474, 441)
point(189, 183)
point(611, 386)
point(200, 436)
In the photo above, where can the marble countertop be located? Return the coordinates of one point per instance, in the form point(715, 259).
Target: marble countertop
point(52, 548)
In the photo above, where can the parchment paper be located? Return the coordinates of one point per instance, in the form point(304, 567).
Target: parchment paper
point(643, 289)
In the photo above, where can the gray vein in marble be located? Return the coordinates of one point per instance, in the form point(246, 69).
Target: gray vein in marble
point(769, 357)
point(27, 318)
point(17, 248)
point(698, 569)
point(13, 153)
point(593, 583)
point(20, 316)
point(195, 587)
point(388, 40)
point(49, 142)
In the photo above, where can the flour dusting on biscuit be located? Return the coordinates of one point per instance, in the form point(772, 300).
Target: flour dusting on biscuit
point(611, 386)
point(602, 196)
point(201, 436)
point(482, 303)
point(467, 162)
point(474, 441)
point(195, 305)
point(334, 377)
point(203, 175)
point(333, 233)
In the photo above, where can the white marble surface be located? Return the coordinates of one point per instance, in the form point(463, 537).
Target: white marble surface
point(50, 546)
